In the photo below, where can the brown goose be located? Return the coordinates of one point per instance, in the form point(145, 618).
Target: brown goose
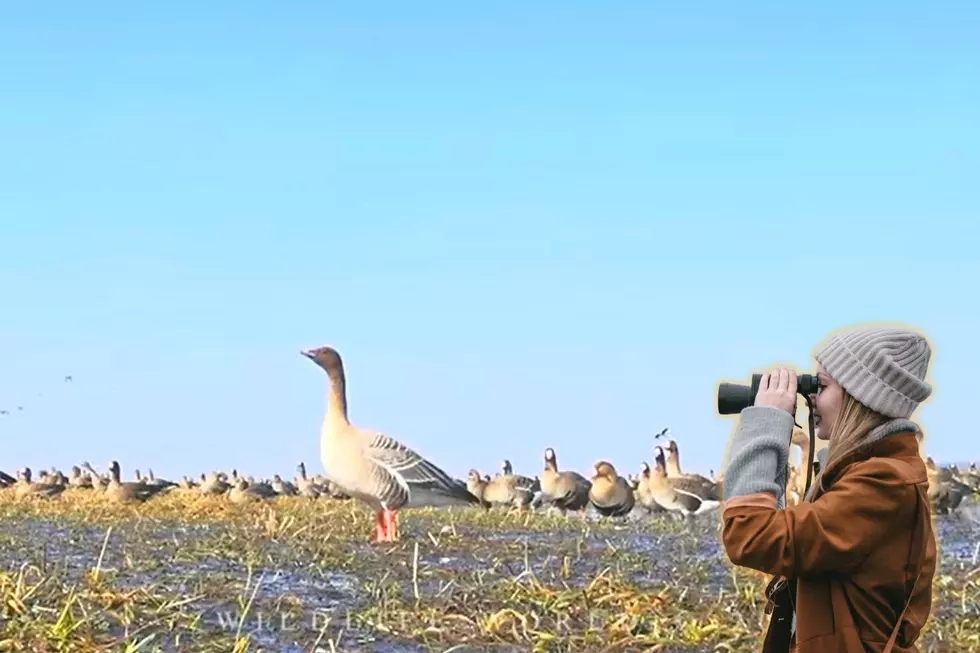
point(526, 487)
point(373, 467)
point(129, 491)
point(566, 490)
point(498, 491)
point(26, 488)
point(244, 491)
point(678, 494)
point(610, 493)
point(78, 480)
point(708, 489)
point(644, 491)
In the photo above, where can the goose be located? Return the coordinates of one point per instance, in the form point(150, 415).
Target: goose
point(282, 487)
point(304, 485)
point(501, 490)
point(153, 480)
point(6, 480)
point(129, 491)
point(99, 482)
point(526, 486)
point(566, 490)
point(708, 489)
point(213, 484)
point(243, 492)
point(678, 494)
point(26, 488)
point(610, 493)
point(374, 467)
point(78, 480)
point(644, 491)
point(946, 493)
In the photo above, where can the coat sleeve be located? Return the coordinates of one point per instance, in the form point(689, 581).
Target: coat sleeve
point(835, 533)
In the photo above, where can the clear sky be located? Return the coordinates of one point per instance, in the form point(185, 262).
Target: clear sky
point(522, 227)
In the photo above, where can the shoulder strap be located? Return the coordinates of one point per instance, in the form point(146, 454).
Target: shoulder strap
point(917, 552)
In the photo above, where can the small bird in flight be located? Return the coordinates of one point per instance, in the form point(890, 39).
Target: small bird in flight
point(68, 379)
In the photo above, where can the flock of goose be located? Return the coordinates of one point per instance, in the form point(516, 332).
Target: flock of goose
point(371, 467)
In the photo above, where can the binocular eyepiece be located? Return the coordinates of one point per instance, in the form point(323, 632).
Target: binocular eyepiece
point(733, 397)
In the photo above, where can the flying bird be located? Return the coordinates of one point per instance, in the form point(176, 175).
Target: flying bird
point(662, 434)
point(68, 379)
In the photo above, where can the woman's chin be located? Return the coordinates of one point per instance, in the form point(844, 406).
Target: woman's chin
point(821, 433)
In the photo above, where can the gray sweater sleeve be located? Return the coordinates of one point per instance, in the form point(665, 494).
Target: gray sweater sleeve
point(759, 454)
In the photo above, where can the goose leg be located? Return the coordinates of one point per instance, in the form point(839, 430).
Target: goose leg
point(391, 525)
point(380, 530)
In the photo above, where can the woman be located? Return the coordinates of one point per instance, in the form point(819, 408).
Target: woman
point(853, 563)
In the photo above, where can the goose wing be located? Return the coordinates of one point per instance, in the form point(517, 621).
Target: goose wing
point(403, 472)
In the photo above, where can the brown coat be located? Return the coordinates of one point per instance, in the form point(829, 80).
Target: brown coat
point(854, 553)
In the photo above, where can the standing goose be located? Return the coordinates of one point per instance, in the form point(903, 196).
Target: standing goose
point(679, 494)
point(566, 490)
point(527, 488)
point(129, 491)
point(644, 491)
point(502, 490)
point(374, 467)
point(708, 489)
point(610, 493)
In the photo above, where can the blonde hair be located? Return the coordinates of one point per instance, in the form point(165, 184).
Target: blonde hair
point(854, 422)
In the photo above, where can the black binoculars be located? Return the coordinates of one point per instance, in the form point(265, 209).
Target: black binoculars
point(734, 397)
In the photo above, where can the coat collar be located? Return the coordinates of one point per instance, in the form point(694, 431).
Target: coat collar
point(897, 438)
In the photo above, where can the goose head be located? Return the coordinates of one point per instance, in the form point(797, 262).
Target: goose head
point(326, 357)
point(550, 461)
point(605, 470)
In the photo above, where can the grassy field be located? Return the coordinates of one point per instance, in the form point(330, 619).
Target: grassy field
point(191, 573)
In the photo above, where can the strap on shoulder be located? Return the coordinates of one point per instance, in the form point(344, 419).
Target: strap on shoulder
point(917, 552)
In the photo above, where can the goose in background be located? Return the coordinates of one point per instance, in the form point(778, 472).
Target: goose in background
point(567, 490)
point(78, 480)
point(129, 491)
point(501, 490)
point(678, 494)
point(528, 488)
point(281, 487)
point(305, 485)
point(644, 491)
point(153, 480)
point(708, 489)
point(215, 483)
point(25, 487)
point(243, 491)
point(373, 467)
point(610, 494)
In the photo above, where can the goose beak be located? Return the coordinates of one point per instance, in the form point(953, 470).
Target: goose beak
point(307, 352)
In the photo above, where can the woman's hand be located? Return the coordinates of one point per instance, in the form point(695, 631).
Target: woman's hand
point(777, 389)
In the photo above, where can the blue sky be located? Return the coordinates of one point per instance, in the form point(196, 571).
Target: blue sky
point(522, 227)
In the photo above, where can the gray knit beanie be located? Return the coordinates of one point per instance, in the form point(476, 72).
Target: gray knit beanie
point(884, 368)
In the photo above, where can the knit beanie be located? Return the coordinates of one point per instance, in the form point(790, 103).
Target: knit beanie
point(882, 367)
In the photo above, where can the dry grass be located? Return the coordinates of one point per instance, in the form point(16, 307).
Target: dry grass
point(191, 573)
